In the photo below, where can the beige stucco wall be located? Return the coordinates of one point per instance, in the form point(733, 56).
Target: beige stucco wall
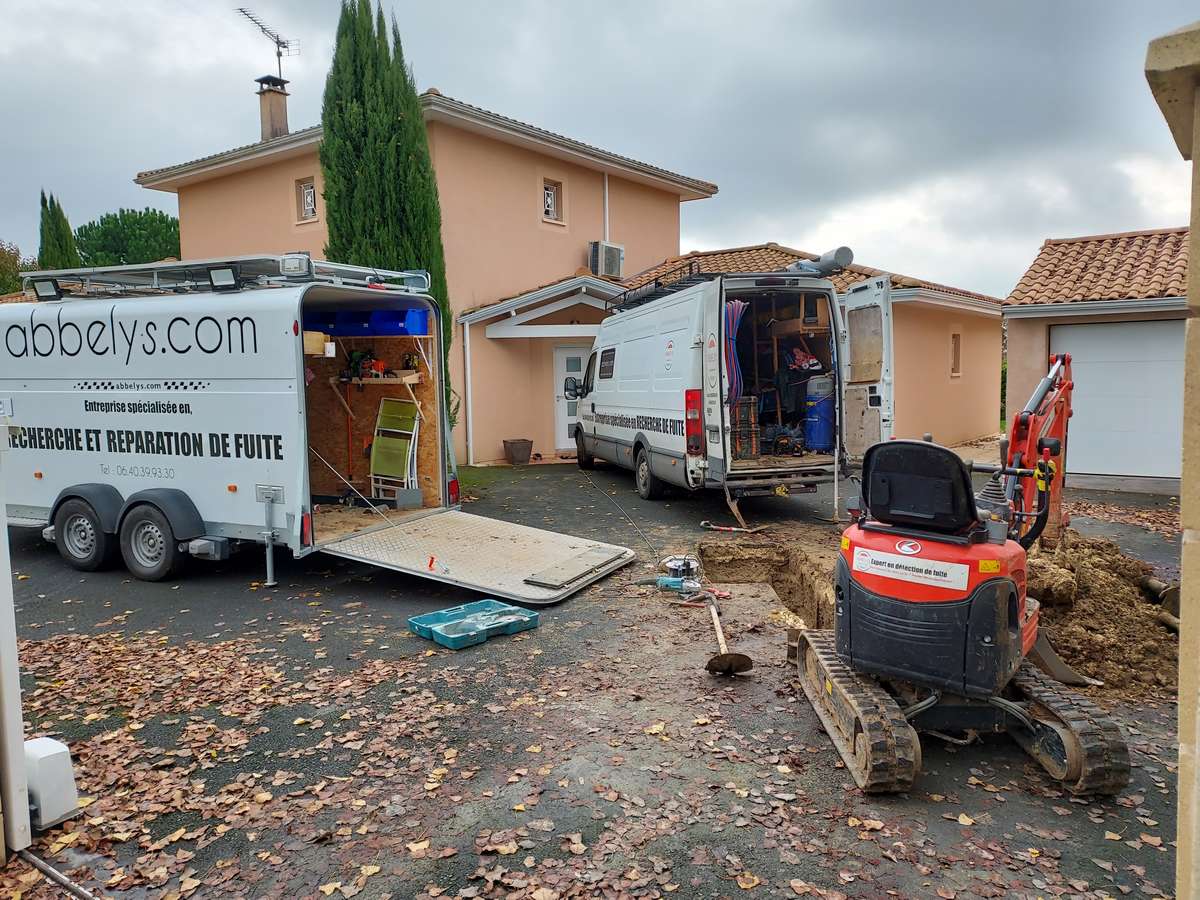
point(927, 397)
point(253, 211)
point(514, 386)
point(496, 243)
point(1029, 347)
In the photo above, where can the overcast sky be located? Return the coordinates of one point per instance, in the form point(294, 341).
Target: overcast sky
point(944, 140)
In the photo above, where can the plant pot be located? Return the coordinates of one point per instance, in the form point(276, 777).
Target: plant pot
point(517, 451)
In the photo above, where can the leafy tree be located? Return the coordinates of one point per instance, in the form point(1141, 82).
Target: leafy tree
point(57, 250)
point(11, 266)
point(381, 200)
point(127, 237)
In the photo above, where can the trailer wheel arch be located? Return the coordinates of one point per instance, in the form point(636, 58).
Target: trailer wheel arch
point(173, 503)
point(103, 498)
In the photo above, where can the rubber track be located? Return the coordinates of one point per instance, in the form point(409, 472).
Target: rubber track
point(895, 748)
point(1102, 743)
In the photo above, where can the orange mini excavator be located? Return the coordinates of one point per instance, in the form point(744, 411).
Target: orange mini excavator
point(934, 631)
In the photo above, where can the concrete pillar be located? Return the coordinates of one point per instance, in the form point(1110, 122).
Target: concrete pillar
point(1173, 71)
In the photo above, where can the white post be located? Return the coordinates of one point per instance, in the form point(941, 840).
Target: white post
point(14, 789)
point(467, 393)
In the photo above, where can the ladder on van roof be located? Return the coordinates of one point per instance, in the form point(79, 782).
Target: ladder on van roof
point(216, 274)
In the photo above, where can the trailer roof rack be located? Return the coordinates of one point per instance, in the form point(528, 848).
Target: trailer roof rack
point(216, 274)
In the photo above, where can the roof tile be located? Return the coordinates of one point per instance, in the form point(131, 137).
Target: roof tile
point(1135, 265)
point(773, 257)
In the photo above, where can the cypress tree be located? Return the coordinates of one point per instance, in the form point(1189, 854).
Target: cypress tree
point(57, 246)
point(381, 200)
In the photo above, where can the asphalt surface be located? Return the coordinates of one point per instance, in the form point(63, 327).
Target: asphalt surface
point(595, 747)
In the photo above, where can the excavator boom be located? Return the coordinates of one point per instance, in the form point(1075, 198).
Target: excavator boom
point(1039, 428)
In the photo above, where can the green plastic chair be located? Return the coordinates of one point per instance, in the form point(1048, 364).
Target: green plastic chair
point(394, 448)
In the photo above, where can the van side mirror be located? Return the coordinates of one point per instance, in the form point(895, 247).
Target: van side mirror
point(571, 387)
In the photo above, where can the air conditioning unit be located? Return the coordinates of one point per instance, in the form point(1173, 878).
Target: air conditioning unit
point(606, 259)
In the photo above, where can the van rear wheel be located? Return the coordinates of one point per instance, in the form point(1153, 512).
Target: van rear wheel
point(80, 538)
point(649, 486)
point(148, 544)
point(585, 459)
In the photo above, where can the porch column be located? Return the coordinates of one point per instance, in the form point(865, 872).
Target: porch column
point(1173, 70)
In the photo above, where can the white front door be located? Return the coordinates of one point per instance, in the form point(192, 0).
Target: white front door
point(567, 361)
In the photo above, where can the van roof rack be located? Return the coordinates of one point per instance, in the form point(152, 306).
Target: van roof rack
point(215, 274)
point(668, 282)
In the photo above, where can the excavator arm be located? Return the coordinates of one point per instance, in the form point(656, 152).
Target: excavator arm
point(1037, 441)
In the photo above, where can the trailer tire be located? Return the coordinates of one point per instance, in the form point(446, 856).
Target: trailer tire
point(649, 486)
point(80, 536)
point(585, 459)
point(148, 544)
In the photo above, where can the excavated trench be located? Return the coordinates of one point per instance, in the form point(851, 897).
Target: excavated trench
point(800, 569)
point(1093, 608)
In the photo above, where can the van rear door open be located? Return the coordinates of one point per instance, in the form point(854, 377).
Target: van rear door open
point(868, 382)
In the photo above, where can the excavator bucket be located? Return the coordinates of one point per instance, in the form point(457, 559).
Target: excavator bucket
point(1045, 657)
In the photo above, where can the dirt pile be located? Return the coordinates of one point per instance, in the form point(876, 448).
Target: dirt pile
point(799, 567)
point(1097, 616)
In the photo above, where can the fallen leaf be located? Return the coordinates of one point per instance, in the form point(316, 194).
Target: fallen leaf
point(1111, 836)
point(964, 819)
point(328, 889)
point(368, 871)
point(748, 881)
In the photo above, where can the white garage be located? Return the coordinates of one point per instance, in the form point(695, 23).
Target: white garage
point(1128, 397)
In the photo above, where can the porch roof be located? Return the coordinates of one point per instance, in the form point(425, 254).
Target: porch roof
point(581, 283)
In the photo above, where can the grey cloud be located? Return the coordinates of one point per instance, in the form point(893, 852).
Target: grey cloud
point(797, 110)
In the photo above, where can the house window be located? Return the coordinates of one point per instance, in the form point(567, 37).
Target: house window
point(608, 360)
point(552, 200)
point(306, 199)
point(955, 354)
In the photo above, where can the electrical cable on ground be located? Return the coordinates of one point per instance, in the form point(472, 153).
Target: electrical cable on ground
point(653, 549)
point(371, 505)
point(52, 874)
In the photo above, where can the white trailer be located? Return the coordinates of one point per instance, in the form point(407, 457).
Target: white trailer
point(170, 410)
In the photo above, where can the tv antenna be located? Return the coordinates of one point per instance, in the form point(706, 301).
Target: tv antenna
point(283, 47)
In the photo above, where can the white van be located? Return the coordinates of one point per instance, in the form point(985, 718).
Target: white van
point(734, 382)
point(180, 409)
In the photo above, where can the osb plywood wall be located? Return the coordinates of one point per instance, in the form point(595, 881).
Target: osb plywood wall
point(327, 418)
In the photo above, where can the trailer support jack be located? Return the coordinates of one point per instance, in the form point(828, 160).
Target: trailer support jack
point(269, 496)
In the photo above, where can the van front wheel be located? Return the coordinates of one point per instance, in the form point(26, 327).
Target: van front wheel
point(585, 459)
point(649, 486)
point(148, 545)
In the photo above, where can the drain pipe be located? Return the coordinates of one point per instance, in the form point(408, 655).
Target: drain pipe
point(52, 874)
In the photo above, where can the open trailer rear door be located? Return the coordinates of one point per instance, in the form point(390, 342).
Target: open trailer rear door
point(868, 399)
point(514, 562)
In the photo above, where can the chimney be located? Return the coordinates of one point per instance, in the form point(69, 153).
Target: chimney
point(272, 106)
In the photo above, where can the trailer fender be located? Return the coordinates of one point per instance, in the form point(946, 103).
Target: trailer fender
point(103, 498)
point(175, 505)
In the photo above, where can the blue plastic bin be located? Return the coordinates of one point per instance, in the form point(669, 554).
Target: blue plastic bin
point(472, 623)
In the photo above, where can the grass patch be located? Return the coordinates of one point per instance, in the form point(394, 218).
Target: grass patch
point(477, 480)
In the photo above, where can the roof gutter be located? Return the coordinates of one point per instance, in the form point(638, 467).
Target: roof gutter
point(1094, 307)
point(933, 297)
point(601, 288)
point(173, 177)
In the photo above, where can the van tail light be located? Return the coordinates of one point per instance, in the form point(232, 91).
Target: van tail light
point(693, 423)
point(306, 530)
point(454, 492)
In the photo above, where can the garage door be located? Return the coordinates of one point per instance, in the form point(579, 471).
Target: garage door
point(1128, 397)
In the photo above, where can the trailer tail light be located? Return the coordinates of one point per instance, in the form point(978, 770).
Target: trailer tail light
point(453, 490)
point(306, 529)
point(693, 422)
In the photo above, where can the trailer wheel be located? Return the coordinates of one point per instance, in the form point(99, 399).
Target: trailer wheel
point(148, 544)
point(80, 538)
point(585, 459)
point(649, 487)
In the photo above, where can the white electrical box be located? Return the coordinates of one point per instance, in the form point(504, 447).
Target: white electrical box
point(52, 794)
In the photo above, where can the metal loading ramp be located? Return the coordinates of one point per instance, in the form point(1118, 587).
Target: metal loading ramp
point(527, 565)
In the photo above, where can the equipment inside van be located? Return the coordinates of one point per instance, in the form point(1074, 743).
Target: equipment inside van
point(727, 381)
point(180, 409)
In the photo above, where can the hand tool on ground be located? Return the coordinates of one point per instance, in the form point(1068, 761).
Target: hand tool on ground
point(724, 663)
point(669, 583)
point(711, 527)
point(934, 630)
point(1167, 595)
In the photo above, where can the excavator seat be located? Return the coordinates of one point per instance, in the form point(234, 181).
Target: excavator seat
point(917, 484)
